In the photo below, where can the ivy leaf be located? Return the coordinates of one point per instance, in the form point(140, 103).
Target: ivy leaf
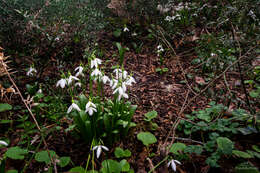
point(16, 153)
point(176, 147)
point(5, 107)
point(147, 138)
point(242, 154)
point(225, 145)
point(43, 156)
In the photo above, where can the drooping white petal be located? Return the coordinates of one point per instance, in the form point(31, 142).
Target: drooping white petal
point(177, 161)
point(78, 84)
point(95, 147)
point(90, 112)
point(3, 143)
point(173, 165)
point(79, 69)
point(75, 106)
point(105, 148)
point(69, 109)
point(98, 151)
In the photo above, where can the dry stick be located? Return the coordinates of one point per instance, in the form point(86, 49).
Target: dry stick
point(33, 117)
point(239, 67)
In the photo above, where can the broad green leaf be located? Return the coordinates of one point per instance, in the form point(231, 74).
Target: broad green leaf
point(176, 147)
point(119, 152)
point(125, 166)
point(64, 161)
point(77, 169)
point(110, 166)
point(225, 145)
point(43, 156)
point(12, 171)
point(147, 138)
point(16, 153)
point(150, 115)
point(242, 154)
point(5, 107)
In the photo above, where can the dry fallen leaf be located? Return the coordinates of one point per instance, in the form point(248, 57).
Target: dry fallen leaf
point(200, 80)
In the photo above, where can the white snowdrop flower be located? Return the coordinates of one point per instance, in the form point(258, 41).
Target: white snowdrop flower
point(172, 163)
point(95, 62)
point(212, 54)
point(31, 71)
point(73, 106)
point(90, 108)
point(99, 149)
point(130, 81)
point(96, 72)
point(105, 79)
point(79, 70)
point(3, 143)
point(126, 29)
point(39, 91)
point(78, 84)
point(113, 83)
point(134, 34)
point(121, 93)
point(61, 83)
point(57, 39)
point(168, 18)
point(71, 78)
point(160, 48)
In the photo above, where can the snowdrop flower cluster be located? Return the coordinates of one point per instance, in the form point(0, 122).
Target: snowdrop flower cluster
point(172, 163)
point(67, 81)
point(97, 74)
point(90, 108)
point(99, 149)
point(120, 82)
point(172, 18)
point(31, 71)
point(159, 49)
point(171, 7)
